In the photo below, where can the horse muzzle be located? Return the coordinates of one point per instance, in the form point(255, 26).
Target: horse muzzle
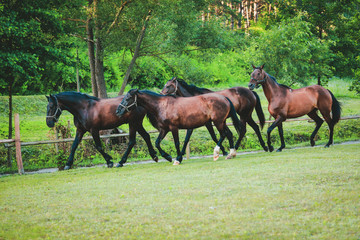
point(252, 86)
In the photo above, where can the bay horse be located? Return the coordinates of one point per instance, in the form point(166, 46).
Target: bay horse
point(242, 98)
point(92, 114)
point(171, 113)
point(285, 102)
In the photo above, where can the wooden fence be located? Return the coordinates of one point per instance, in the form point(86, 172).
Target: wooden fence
point(16, 142)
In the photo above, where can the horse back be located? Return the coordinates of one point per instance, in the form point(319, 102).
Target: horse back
point(103, 114)
point(242, 98)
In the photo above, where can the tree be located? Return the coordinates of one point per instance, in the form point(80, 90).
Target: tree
point(291, 52)
point(28, 30)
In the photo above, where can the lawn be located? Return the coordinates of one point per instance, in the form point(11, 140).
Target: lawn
point(297, 194)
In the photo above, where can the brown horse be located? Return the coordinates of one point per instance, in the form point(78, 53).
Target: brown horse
point(92, 114)
point(285, 102)
point(170, 113)
point(243, 99)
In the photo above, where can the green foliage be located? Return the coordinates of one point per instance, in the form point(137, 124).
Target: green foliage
point(291, 52)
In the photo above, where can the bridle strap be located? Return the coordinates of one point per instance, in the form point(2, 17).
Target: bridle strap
point(260, 81)
point(58, 109)
point(128, 107)
point(54, 116)
point(176, 88)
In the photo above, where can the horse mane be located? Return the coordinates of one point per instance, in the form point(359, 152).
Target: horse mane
point(77, 95)
point(151, 93)
point(281, 85)
point(192, 88)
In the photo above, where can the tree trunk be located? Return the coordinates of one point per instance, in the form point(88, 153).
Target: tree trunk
point(99, 57)
point(91, 52)
point(10, 120)
point(99, 69)
point(136, 54)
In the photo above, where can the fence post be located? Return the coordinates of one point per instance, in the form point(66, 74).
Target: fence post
point(18, 144)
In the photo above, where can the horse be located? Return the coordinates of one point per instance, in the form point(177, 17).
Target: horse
point(242, 98)
point(171, 113)
point(285, 102)
point(92, 114)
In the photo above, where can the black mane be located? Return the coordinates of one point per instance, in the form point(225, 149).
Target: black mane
point(192, 88)
point(151, 93)
point(281, 85)
point(77, 95)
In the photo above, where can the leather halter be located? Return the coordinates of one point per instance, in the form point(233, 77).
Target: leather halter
point(58, 109)
point(127, 108)
point(176, 88)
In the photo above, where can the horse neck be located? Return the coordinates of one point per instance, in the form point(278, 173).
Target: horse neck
point(270, 88)
point(149, 102)
point(187, 92)
point(71, 104)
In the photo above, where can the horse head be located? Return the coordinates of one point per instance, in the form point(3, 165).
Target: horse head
point(257, 77)
point(170, 87)
point(53, 111)
point(128, 103)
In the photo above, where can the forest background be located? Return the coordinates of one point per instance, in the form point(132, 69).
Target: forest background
point(102, 47)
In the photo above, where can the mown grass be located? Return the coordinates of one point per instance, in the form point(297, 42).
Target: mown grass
point(297, 194)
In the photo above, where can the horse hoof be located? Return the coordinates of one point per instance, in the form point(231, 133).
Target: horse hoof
point(176, 163)
point(110, 164)
point(225, 154)
point(312, 143)
point(326, 146)
point(271, 148)
point(169, 158)
point(265, 149)
point(279, 150)
point(67, 167)
point(156, 159)
point(119, 165)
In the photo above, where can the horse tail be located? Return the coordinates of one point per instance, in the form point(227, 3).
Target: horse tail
point(259, 110)
point(335, 109)
point(236, 121)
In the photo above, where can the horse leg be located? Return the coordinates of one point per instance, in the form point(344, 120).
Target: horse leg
point(242, 134)
point(318, 122)
point(132, 141)
point(147, 139)
point(78, 138)
point(161, 136)
point(258, 133)
point(278, 120)
point(187, 139)
point(107, 157)
point(281, 134)
point(210, 128)
point(229, 136)
point(331, 125)
point(175, 133)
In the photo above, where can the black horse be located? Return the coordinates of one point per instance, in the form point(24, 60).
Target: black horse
point(92, 114)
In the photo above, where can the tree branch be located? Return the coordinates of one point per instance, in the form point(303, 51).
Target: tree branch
point(117, 15)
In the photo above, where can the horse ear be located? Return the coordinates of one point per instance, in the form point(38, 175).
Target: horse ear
point(174, 78)
point(253, 66)
point(262, 66)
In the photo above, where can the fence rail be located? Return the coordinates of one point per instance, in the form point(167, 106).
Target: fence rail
point(9, 143)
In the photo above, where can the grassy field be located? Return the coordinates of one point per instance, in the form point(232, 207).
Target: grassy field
point(310, 193)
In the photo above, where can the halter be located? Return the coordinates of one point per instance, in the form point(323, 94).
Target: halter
point(58, 109)
point(176, 88)
point(260, 81)
point(54, 116)
point(127, 107)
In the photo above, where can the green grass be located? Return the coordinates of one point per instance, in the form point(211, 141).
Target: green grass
point(297, 194)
